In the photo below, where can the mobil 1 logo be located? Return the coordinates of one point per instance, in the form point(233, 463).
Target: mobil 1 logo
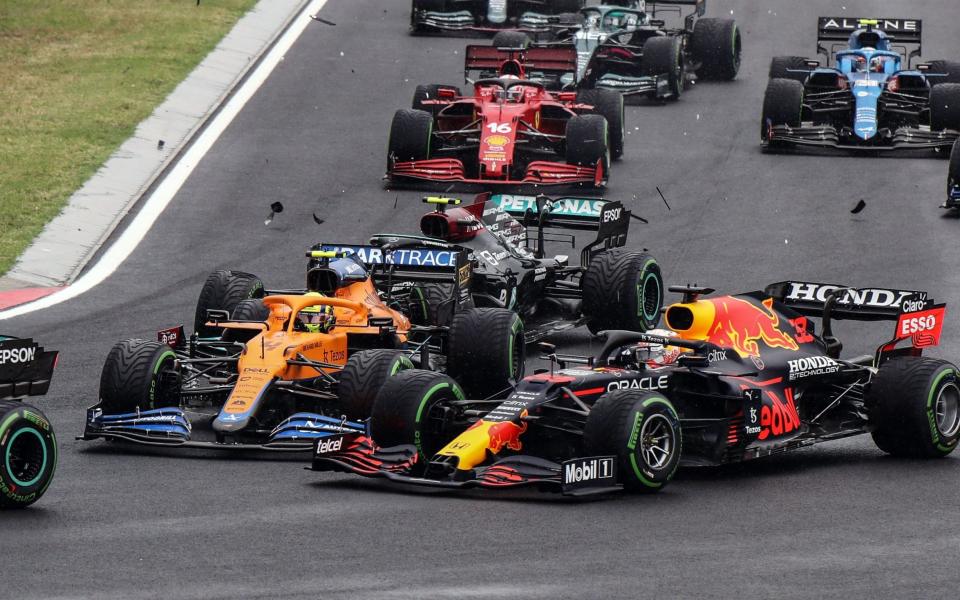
point(589, 472)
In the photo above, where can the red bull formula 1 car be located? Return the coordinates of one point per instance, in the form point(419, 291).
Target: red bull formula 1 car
point(737, 377)
point(28, 447)
point(510, 130)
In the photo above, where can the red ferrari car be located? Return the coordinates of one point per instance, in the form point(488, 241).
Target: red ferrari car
point(511, 130)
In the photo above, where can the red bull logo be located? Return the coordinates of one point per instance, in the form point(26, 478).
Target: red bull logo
point(740, 325)
point(506, 434)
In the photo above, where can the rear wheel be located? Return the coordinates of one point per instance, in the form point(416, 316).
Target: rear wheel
point(424, 305)
point(411, 134)
point(950, 70)
point(622, 290)
point(135, 377)
point(28, 454)
point(587, 141)
point(223, 290)
point(642, 430)
point(363, 376)
point(609, 105)
point(413, 408)
point(431, 92)
point(662, 55)
point(717, 45)
point(945, 106)
point(782, 105)
point(789, 67)
point(485, 350)
point(915, 407)
point(510, 39)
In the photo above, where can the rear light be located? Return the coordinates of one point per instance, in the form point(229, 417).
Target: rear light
point(567, 96)
point(893, 84)
point(446, 94)
point(841, 82)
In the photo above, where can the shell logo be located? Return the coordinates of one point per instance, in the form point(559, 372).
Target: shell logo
point(497, 140)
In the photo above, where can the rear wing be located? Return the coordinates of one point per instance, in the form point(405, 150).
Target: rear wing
point(700, 9)
point(918, 318)
point(553, 60)
point(25, 368)
point(609, 219)
point(837, 30)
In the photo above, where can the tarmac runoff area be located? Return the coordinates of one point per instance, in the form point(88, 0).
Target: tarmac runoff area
point(58, 256)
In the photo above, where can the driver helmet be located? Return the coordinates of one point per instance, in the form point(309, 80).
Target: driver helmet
point(657, 355)
point(857, 63)
point(316, 319)
point(877, 63)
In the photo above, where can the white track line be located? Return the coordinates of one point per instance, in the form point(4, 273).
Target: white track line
point(171, 183)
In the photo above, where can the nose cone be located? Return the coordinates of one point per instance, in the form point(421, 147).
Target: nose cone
point(866, 93)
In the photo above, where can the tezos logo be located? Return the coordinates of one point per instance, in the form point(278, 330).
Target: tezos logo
point(325, 446)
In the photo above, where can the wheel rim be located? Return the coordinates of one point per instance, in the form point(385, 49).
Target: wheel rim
point(26, 457)
point(651, 297)
point(656, 441)
point(947, 410)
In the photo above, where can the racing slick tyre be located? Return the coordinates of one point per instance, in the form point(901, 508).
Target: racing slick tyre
point(663, 55)
point(431, 92)
point(28, 454)
point(363, 376)
point(411, 408)
point(950, 70)
point(642, 430)
point(587, 141)
point(622, 290)
point(249, 309)
point(485, 350)
point(786, 67)
point(424, 306)
point(223, 290)
point(717, 45)
point(782, 105)
point(134, 377)
point(915, 407)
point(945, 106)
point(410, 135)
point(609, 105)
point(510, 39)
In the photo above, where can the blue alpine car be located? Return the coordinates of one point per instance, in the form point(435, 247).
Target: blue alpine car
point(871, 98)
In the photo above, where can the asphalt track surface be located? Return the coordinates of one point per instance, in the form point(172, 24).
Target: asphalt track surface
point(836, 520)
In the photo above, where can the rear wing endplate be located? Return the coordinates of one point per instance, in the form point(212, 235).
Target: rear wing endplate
point(25, 368)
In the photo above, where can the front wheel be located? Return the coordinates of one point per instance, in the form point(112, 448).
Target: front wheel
point(136, 376)
point(664, 56)
point(413, 407)
point(28, 454)
point(609, 105)
point(945, 106)
point(782, 105)
point(915, 407)
point(363, 376)
point(587, 141)
point(642, 430)
point(717, 45)
point(486, 349)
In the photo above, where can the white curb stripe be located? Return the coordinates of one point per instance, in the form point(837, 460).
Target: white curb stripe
point(175, 178)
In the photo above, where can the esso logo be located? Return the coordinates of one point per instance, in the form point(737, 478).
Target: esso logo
point(912, 325)
point(612, 214)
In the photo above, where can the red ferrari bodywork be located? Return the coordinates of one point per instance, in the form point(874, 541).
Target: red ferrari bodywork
point(510, 131)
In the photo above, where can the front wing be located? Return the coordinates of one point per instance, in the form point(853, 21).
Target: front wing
point(827, 136)
point(358, 454)
point(171, 427)
point(540, 173)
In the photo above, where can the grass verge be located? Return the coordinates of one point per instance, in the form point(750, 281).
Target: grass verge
point(76, 77)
